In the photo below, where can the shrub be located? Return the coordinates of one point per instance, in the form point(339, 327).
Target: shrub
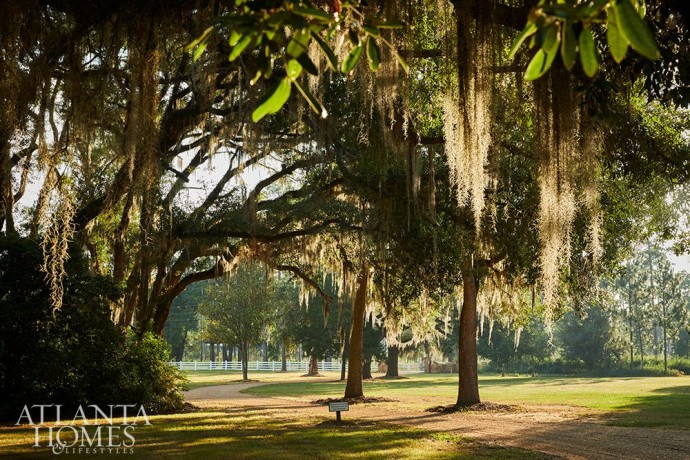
point(76, 355)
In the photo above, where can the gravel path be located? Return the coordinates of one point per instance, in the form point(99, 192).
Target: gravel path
point(563, 431)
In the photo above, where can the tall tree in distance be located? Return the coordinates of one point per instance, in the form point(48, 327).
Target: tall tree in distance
point(239, 307)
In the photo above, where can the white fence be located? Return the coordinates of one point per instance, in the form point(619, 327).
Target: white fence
point(275, 366)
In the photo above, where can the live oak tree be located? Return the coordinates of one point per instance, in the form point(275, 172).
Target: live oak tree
point(118, 118)
point(239, 308)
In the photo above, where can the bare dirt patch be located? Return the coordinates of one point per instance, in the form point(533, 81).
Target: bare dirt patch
point(481, 407)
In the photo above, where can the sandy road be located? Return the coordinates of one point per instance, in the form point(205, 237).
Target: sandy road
point(562, 431)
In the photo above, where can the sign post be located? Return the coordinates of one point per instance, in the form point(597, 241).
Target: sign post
point(337, 407)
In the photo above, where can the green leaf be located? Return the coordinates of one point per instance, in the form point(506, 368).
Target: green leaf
point(618, 44)
point(540, 64)
point(550, 38)
point(373, 54)
point(308, 64)
point(239, 47)
point(256, 77)
point(529, 29)
point(561, 10)
point(201, 39)
point(293, 68)
point(589, 57)
point(542, 60)
point(351, 60)
point(373, 31)
point(330, 55)
point(298, 43)
point(275, 101)
point(568, 46)
point(353, 36)
point(309, 12)
point(314, 103)
point(234, 37)
point(199, 51)
point(633, 28)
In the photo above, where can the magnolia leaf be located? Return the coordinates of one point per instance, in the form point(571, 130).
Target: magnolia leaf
point(373, 31)
point(589, 57)
point(199, 51)
point(351, 60)
point(308, 64)
point(568, 46)
point(314, 103)
point(293, 68)
point(234, 37)
point(529, 30)
point(241, 45)
point(327, 51)
point(633, 28)
point(201, 39)
point(373, 54)
point(550, 38)
point(618, 44)
point(275, 101)
point(298, 43)
point(540, 64)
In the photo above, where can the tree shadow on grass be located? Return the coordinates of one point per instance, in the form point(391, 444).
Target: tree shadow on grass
point(258, 434)
point(666, 407)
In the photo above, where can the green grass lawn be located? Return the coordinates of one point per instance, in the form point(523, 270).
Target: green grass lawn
point(198, 379)
point(631, 401)
point(255, 434)
point(260, 432)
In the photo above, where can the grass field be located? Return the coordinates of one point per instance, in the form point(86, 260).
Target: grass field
point(256, 434)
point(632, 401)
point(198, 379)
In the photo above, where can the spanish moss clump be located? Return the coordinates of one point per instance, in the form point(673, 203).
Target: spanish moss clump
point(467, 113)
point(591, 178)
point(55, 245)
point(558, 140)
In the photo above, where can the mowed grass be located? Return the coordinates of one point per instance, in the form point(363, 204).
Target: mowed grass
point(257, 434)
point(631, 401)
point(198, 379)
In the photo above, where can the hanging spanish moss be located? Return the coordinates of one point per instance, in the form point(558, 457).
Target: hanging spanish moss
point(55, 245)
point(591, 178)
point(558, 141)
point(468, 112)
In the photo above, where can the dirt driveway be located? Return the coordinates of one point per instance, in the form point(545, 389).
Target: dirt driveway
point(564, 431)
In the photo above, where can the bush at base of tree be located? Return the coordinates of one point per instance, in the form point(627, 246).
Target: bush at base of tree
point(75, 355)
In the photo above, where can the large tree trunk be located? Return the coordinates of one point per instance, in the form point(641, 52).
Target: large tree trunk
point(392, 361)
point(313, 366)
point(353, 388)
point(468, 384)
point(225, 352)
point(366, 369)
point(244, 351)
point(212, 352)
point(283, 358)
point(345, 341)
